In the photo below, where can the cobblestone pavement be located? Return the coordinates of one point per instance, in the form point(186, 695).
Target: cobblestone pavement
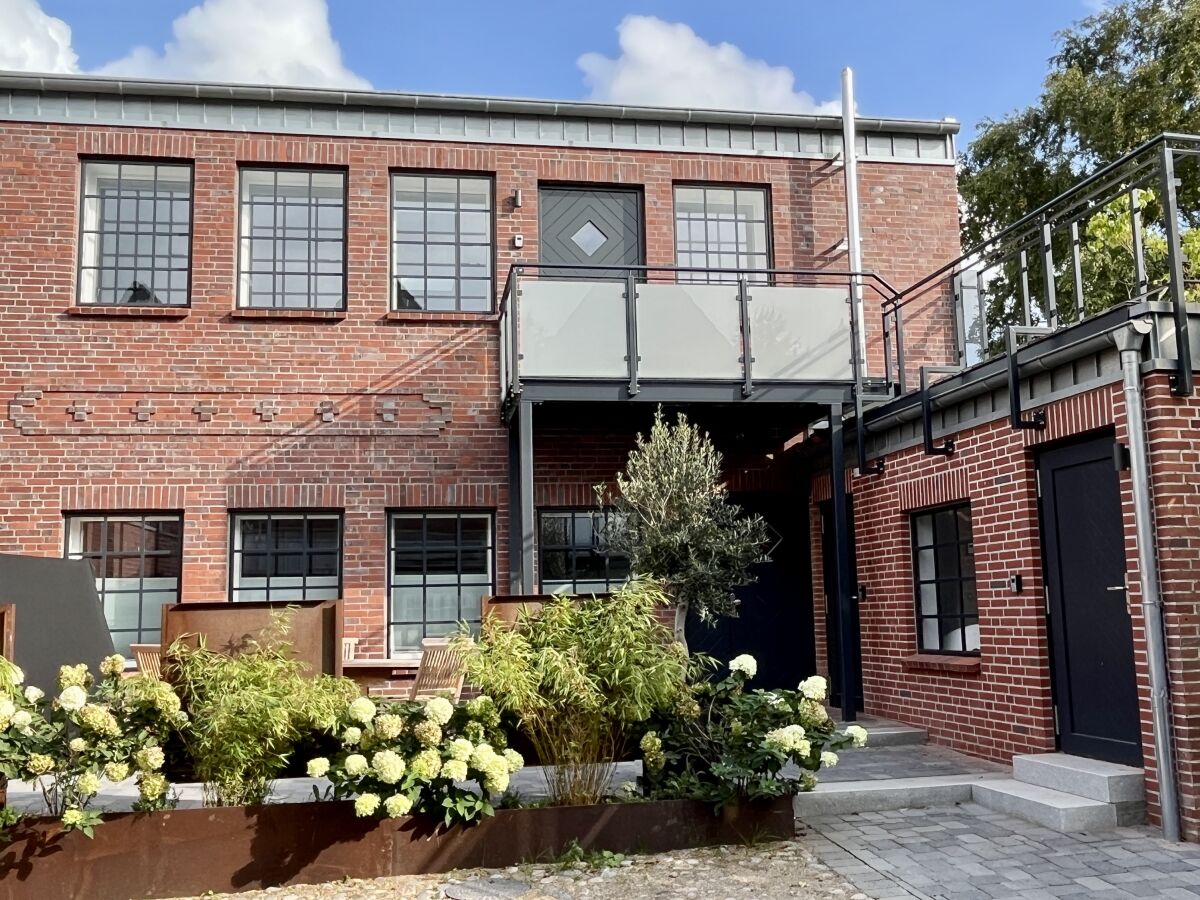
point(768, 872)
point(915, 761)
point(970, 853)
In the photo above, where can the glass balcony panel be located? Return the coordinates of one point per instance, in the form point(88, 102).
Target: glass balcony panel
point(572, 329)
point(689, 331)
point(800, 333)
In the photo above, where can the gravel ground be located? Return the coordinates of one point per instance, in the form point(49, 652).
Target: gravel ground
point(764, 872)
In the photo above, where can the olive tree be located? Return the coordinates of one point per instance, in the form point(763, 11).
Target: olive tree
point(672, 516)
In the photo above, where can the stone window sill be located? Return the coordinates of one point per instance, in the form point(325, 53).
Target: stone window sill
point(130, 312)
point(946, 665)
point(401, 664)
point(440, 318)
point(318, 315)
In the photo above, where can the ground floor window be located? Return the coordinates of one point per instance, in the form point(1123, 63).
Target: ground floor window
point(293, 555)
point(574, 553)
point(440, 567)
point(944, 575)
point(136, 559)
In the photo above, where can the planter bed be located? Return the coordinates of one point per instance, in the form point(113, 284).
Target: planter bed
point(190, 851)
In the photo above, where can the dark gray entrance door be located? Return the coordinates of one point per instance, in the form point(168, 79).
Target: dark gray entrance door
point(1091, 638)
point(589, 227)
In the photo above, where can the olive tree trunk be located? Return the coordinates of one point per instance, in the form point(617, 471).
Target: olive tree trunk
point(681, 613)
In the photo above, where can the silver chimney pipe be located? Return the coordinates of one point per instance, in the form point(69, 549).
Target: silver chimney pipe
point(853, 228)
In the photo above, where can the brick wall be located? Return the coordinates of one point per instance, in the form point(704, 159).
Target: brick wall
point(212, 408)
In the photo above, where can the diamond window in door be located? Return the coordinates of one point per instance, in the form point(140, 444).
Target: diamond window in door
point(589, 238)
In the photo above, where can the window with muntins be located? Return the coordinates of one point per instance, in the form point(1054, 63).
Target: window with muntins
point(440, 568)
point(944, 575)
point(293, 239)
point(136, 559)
point(442, 242)
point(135, 234)
point(574, 552)
point(286, 556)
point(721, 228)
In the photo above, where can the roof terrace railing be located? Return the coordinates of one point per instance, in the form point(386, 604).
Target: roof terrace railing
point(1120, 234)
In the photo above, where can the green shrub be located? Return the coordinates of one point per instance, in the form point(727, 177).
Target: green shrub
point(248, 711)
point(580, 676)
point(724, 744)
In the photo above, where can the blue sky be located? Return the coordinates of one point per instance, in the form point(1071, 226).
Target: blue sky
point(918, 58)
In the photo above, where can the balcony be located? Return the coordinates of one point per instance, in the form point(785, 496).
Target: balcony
point(675, 333)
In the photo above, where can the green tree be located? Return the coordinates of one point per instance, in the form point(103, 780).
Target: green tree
point(1119, 78)
point(676, 523)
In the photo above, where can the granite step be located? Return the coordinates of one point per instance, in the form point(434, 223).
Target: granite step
point(1090, 778)
point(1056, 810)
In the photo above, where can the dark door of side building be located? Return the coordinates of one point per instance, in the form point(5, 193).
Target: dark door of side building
point(833, 619)
point(588, 226)
point(774, 622)
point(1091, 637)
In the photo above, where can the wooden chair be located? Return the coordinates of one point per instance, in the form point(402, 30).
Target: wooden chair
point(349, 649)
point(440, 672)
point(149, 659)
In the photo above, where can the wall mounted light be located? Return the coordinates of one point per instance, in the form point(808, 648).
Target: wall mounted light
point(517, 199)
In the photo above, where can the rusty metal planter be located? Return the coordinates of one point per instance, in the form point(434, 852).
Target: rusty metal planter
point(190, 851)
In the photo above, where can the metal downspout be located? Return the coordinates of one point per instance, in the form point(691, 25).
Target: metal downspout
point(853, 226)
point(1129, 342)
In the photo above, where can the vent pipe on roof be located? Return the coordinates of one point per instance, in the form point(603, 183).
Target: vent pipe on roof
point(853, 230)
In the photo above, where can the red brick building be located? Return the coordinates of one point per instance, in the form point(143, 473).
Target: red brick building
point(269, 343)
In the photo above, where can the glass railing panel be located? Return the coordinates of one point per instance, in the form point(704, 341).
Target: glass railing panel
point(572, 329)
point(800, 333)
point(689, 331)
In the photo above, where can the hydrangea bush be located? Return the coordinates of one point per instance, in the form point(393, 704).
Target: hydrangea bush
point(69, 743)
point(725, 744)
point(412, 757)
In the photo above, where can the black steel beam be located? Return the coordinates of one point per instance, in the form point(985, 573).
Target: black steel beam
point(1184, 379)
point(931, 449)
point(843, 578)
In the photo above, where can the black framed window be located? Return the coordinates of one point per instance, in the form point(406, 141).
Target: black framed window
point(135, 235)
point(442, 242)
point(573, 552)
point(440, 569)
point(293, 239)
point(136, 558)
point(944, 574)
point(293, 555)
point(721, 228)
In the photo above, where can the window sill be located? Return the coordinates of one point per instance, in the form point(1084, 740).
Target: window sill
point(319, 315)
point(440, 318)
point(945, 664)
point(397, 663)
point(130, 312)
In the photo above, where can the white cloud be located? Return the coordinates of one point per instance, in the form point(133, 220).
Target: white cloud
point(668, 64)
point(34, 41)
point(255, 41)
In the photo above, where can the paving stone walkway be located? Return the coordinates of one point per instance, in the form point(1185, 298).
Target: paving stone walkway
point(971, 853)
point(915, 761)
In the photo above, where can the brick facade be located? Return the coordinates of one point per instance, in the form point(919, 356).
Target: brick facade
point(212, 408)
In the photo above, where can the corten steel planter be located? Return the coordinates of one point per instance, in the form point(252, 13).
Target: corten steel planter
point(187, 852)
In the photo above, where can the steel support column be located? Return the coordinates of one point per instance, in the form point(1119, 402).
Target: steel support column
point(843, 578)
point(521, 512)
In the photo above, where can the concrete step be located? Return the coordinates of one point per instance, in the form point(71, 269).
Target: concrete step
point(1090, 778)
point(840, 798)
point(1053, 809)
point(885, 732)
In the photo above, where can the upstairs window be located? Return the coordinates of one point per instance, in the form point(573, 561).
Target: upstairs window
point(442, 242)
point(136, 560)
point(286, 556)
point(135, 234)
point(574, 553)
point(721, 228)
point(293, 239)
point(944, 573)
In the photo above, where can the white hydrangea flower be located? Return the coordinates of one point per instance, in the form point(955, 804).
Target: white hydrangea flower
point(388, 765)
point(829, 759)
point(439, 710)
point(366, 804)
point(745, 664)
point(397, 805)
point(77, 745)
point(72, 698)
point(355, 765)
point(318, 768)
point(857, 734)
point(113, 664)
point(461, 748)
point(351, 736)
point(814, 688)
point(21, 719)
point(362, 710)
point(88, 784)
point(788, 739)
point(34, 694)
point(455, 770)
point(7, 708)
point(514, 760)
point(149, 758)
point(18, 674)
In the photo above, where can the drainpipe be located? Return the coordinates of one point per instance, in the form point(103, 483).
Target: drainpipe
point(853, 227)
point(1129, 342)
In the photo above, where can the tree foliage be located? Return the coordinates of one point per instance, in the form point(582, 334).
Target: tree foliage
point(676, 523)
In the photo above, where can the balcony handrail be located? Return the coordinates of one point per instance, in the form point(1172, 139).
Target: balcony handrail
point(839, 274)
